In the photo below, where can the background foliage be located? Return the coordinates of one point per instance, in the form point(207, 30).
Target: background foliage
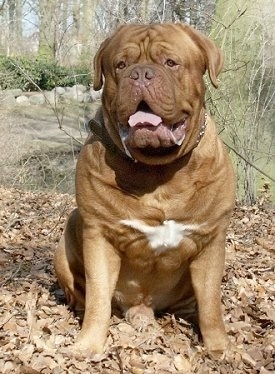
point(29, 73)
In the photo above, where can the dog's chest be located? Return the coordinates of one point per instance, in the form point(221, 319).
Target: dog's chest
point(153, 215)
point(154, 261)
point(163, 237)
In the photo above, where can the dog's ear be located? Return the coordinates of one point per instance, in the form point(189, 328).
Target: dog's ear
point(212, 54)
point(98, 68)
point(98, 59)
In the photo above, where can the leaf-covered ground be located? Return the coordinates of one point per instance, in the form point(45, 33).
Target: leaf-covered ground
point(37, 328)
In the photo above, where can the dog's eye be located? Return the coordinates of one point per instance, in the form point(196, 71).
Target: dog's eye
point(121, 65)
point(170, 63)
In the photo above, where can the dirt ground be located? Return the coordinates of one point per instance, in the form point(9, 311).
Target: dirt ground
point(37, 328)
point(39, 145)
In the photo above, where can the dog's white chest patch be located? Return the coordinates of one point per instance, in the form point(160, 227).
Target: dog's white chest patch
point(163, 237)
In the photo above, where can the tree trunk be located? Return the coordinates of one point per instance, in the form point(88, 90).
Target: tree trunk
point(47, 29)
point(88, 28)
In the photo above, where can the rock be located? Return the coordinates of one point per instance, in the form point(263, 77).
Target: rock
point(87, 98)
point(72, 95)
point(6, 99)
point(22, 100)
point(79, 97)
point(67, 96)
point(51, 97)
point(95, 95)
point(79, 88)
point(59, 90)
point(37, 99)
point(15, 92)
point(78, 93)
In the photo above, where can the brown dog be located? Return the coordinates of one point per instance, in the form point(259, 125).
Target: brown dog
point(154, 187)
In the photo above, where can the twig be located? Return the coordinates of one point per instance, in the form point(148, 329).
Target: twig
point(10, 316)
point(12, 275)
point(62, 214)
point(249, 163)
point(120, 362)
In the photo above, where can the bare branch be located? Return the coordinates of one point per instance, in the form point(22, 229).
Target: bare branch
point(249, 163)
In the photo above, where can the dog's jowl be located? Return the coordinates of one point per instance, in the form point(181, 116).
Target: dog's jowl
point(154, 187)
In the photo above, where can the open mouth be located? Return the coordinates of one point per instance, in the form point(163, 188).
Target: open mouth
point(148, 132)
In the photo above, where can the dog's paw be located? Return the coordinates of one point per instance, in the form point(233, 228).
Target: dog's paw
point(230, 354)
point(221, 352)
point(83, 355)
point(80, 353)
point(87, 346)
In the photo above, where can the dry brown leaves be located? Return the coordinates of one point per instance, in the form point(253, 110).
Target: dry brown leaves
point(37, 328)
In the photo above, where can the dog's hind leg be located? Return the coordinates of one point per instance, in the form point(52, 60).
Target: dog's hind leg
point(68, 263)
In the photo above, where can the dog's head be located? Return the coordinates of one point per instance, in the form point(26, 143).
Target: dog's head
point(153, 94)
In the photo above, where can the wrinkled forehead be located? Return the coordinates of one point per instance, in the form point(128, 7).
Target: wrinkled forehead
point(143, 40)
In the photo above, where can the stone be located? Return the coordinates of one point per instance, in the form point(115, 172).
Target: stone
point(79, 97)
point(87, 98)
point(95, 95)
point(72, 95)
point(15, 92)
point(67, 97)
point(6, 99)
point(79, 88)
point(37, 99)
point(22, 100)
point(51, 97)
point(78, 93)
point(59, 90)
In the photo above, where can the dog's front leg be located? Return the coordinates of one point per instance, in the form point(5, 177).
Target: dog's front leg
point(206, 272)
point(102, 265)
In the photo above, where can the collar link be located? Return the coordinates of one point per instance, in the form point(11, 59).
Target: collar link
point(202, 129)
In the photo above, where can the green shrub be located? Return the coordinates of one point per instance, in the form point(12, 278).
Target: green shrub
point(29, 74)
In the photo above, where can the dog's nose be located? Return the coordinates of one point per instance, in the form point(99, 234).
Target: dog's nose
point(142, 74)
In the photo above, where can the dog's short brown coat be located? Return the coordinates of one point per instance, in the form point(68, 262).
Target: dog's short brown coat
point(150, 224)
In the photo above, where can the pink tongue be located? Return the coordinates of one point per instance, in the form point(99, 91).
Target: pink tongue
point(143, 118)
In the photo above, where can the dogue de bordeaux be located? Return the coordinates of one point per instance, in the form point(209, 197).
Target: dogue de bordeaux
point(154, 188)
